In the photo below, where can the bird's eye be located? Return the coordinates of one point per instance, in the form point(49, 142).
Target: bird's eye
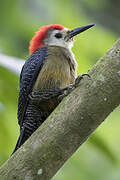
point(58, 35)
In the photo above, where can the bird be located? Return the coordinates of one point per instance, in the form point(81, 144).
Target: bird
point(47, 76)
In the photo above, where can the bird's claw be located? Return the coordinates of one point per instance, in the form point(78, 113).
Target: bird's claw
point(67, 89)
point(79, 78)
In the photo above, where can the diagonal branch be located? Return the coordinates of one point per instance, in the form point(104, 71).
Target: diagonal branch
point(70, 124)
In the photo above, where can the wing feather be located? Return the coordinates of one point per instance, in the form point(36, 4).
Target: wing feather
point(28, 76)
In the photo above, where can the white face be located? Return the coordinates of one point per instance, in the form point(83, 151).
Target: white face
point(56, 38)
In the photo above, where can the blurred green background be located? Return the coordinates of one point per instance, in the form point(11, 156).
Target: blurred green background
point(99, 157)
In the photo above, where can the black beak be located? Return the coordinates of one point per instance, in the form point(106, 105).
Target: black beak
point(77, 31)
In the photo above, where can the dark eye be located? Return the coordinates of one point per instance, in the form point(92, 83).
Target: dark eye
point(58, 35)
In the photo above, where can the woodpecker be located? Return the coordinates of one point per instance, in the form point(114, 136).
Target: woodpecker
point(46, 77)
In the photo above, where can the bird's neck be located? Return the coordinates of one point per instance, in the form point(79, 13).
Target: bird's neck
point(66, 50)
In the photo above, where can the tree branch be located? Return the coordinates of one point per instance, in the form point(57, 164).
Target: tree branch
point(72, 122)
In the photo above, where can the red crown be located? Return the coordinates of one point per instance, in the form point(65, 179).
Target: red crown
point(37, 40)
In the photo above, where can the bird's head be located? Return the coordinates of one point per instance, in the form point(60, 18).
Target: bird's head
point(55, 35)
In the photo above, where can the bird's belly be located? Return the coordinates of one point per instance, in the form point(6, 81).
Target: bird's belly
point(53, 75)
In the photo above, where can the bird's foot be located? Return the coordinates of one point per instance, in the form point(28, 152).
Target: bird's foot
point(42, 96)
point(70, 87)
point(79, 78)
point(65, 91)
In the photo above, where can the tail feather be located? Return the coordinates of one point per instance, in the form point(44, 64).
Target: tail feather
point(22, 138)
point(33, 118)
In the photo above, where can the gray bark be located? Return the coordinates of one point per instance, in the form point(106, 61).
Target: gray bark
point(69, 126)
